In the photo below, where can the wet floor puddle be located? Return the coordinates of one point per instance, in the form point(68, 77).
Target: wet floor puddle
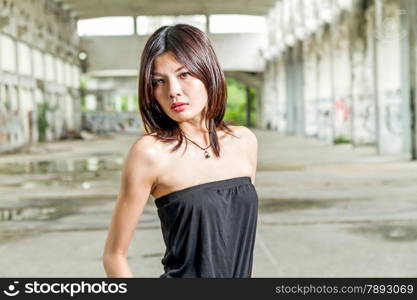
point(33, 216)
point(273, 166)
point(388, 232)
point(78, 173)
point(48, 209)
point(95, 163)
point(290, 204)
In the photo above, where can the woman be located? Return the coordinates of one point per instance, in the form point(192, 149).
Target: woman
point(205, 194)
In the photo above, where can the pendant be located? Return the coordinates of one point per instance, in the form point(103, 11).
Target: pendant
point(206, 154)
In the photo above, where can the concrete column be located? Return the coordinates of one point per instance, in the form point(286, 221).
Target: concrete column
point(259, 107)
point(207, 24)
point(351, 38)
point(387, 66)
point(135, 26)
point(16, 72)
point(377, 21)
point(300, 101)
point(317, 83)
point(332, 82)
point(1, 67)
point(290, 89)
point(277, 97)
point(248, 105)
point(409, 26)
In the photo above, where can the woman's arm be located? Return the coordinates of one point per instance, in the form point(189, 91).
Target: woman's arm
point(138, 176)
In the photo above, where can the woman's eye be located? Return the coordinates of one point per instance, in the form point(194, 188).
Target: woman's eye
point(157, 81)
point(185, 74)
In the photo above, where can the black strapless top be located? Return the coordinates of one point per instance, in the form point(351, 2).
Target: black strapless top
point(209, 229)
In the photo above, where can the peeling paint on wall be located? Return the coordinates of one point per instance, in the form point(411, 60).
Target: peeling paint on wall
point(103, 122)
point(11, 132)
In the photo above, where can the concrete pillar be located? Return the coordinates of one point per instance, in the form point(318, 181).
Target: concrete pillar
point(135, 25)
point(300, 105)
point(377, 21)
point(317, 83)
point(352, 37)
point(341, 80)
point(207, 24)
point(362, 79)
point(332, 81)
point(324, 105)
point(408, 66)
point(390, 134)
point(1, 67)
point(277, 97)
point(259, 105)
point(310, 86)
point(290, 88)
point(282, 95)
point(294, 88)
point(248, 106)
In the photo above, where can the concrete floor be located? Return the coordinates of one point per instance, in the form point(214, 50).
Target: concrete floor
point(325, 211)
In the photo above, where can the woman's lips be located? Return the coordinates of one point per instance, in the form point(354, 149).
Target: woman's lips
point(180, 107)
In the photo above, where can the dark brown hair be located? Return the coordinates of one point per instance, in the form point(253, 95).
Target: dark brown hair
point(193, 49)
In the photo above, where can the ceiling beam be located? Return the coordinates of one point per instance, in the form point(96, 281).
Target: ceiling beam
point(100, 8)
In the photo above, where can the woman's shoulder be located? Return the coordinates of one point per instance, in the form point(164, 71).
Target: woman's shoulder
point(146, 140)
point(244, 133)
point(146, 147)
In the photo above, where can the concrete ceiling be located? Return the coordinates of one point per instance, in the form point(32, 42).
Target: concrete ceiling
point(84, 9)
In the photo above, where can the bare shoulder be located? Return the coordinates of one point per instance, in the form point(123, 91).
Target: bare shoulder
point(146, 147)
point(144, 155)
point(247, 135)
point(250, 144)
point(143, 163)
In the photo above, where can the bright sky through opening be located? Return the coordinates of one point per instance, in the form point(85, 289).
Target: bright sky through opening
point(146, 25)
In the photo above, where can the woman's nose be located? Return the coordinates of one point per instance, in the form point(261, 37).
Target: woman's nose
point(174, 89)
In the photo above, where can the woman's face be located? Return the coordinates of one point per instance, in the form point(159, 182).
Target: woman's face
point(173, 84)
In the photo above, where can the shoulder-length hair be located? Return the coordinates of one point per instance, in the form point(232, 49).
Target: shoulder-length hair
point(193, 49)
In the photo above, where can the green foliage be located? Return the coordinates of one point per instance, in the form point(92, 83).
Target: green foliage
point(83, 104)
point(135, 103)
point(83, 82)
point(42, 121)
point(236, 102)
point(124, 102)
point(341, 140)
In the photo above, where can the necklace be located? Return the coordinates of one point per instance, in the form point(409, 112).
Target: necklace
point(206, 153)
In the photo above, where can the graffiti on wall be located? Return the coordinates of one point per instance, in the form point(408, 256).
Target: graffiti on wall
point(103, 122)
point(393, 112)
point(342, 115)
point(11, 132)
point(393, 119)
point(324, 119)
point(342, 111)
point(366, 116)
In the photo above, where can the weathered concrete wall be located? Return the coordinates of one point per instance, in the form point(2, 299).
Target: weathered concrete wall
point(388, 33)
point(353, 67)
point(363, 104)
point(38, 65)
point(324, 103)
point(310, 88)
point(342, 98)
point(11, 132)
